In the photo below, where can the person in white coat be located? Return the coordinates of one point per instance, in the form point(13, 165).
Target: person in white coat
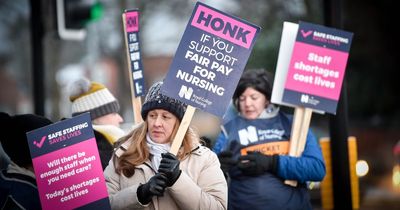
point(143, 174)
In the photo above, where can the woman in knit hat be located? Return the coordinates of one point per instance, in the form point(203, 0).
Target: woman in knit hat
point(95, 98)
point(143, 174)
point(18, 189)
point(253, 150)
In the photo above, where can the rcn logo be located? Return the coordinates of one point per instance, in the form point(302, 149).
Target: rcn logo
point(185, 92)
point(247, 136)
point(308, 100)
point(304, 98)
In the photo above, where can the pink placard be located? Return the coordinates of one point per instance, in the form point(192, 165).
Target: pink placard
point(316, 70)
point(70, 177)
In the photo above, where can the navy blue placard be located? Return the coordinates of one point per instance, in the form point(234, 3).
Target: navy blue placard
point(317, 67)
point(210, 59)
point(326, 37)
point(60, 135)
point(67, 165)
point(135, 60)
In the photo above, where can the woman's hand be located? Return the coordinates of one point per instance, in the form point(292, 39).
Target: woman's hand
point(154, 187)
point(169, 167)
point(255, 163)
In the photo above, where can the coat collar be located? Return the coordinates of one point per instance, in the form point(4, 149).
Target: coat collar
point(197, 148)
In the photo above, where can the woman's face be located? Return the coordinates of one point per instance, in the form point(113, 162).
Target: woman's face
point(252, 103)
point(161, 125)
point(110, 119)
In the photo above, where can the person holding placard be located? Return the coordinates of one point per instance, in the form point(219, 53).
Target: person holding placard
point(144, 174)
point(95, 98)
point(253, 151)
point(18, 188)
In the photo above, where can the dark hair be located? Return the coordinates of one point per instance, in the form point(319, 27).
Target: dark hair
point(254, 78)
point(14, 140)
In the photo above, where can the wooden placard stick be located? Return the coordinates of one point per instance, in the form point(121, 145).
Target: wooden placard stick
point(136, 100)
point(295, 133)
point(137, 106)
point(298, 136)
point(187, 118)
point(304, 131)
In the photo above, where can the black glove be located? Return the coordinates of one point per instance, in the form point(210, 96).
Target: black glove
point(169, 167)
point(226, 160)
point(255, 163)
point(154, 187)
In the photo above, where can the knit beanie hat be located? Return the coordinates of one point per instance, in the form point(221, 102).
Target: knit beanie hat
point(155, 100)
point(92, 97)
point(13, 135)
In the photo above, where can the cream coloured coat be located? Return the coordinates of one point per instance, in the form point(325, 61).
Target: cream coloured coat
point(201, 185)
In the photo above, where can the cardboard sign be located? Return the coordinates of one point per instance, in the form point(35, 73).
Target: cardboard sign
point(131, 28)
point(288, 39)
point(310, 70)
point(67, 165)
point(210, 59)
point(130, 20)
point(317, 67)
